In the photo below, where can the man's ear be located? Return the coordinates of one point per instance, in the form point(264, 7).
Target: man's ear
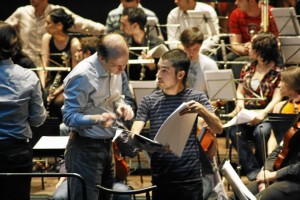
point(180, 74)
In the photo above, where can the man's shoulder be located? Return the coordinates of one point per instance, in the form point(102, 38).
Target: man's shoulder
point(25, 74)
point(174, 11)
point(205, 60)
point(117, 11)
point(203, 6)
point(237, 13)
point(149, 12)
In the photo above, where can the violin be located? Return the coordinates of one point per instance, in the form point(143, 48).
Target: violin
point(285, 150)
point(289, 107)
point(121, 165)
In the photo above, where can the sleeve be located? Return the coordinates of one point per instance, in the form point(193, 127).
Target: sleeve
point(143, 110)
point(272, 158)
point(77, 90)
point(205, 102)
point(290, 172)
point(13, 19)
point(172, 30)
point(37, 111)
point(83, 25)
point(109, 26)
point(233, 23)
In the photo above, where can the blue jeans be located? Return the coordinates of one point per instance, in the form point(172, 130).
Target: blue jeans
point(250, 162)
point(61, 193)
point(92, 159)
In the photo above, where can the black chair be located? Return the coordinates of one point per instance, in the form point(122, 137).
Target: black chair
point(74, 175)
point(128, 192)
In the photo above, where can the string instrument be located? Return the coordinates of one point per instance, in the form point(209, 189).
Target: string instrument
point(289, 108)
point(206, 135)
point(121, 165)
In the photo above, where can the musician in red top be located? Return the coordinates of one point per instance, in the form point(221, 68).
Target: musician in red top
point(244, 22)
point(283, 178)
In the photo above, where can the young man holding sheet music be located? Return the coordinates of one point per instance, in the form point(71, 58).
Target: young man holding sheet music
point(176, 177)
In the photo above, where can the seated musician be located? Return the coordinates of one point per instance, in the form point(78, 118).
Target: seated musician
point(258, 90)
point(133, 22)
point(281, 177)
point(58, 49)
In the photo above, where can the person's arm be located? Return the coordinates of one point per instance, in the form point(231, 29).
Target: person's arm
point(45, 53)
point(14, 18)
point(37, 111)
point(83, 25)
point(209, 117)
point(76, 94)
point(172, 30)
point(240, 100)
point(237, 46)
point(75, 45)
point(262, 114)
point(137, 127)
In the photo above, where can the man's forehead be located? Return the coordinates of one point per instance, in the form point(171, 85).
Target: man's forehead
point(164, 63)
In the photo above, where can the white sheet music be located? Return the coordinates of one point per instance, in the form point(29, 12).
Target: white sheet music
point(52, 142)
point(234, 180)
point(244, 116)
point(175, 130)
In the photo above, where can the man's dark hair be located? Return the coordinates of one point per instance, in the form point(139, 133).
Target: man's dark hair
point(191, 36)
point(136, 15)
point(59, 15)
point(8, 41)
point(179, 60)
point(89, 44)
point(266, 45)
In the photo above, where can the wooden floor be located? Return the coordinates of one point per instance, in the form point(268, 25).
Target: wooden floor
point(135, 179)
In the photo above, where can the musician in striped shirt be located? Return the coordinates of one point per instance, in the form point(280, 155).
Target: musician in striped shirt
point(176, 177)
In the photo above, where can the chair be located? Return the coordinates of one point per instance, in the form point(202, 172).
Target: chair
point(74, 175)
point(128, 192)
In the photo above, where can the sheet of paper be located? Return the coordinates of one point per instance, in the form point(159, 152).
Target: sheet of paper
point(234, 180)
point(176, 129)
point(52, 142)
point(244, 116)
point(118, 133)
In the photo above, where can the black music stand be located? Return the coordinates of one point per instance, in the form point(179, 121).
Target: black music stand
point(281, 123)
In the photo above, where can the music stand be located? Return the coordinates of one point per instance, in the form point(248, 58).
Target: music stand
point(152, 27)
point(286, 21)
point(290, 49)
point(281, 123)
point(220, 84)
point(141, 89)
point(204, 17)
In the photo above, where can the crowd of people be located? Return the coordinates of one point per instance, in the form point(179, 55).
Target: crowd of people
point(84, 82)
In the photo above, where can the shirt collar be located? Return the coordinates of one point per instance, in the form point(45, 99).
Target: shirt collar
point(101, 71)
point(6, 62)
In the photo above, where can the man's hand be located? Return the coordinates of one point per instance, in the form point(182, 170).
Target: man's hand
point(105, 119)
point(265, 176)
point(125, 111)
